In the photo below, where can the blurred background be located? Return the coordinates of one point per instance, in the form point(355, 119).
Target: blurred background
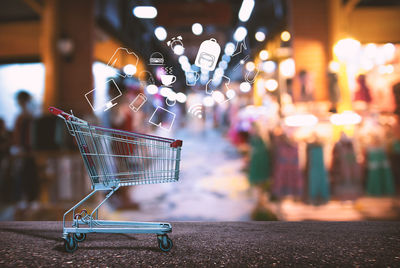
point(298, 120)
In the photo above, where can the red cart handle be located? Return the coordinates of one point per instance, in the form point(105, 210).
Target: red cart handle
point(59, 113)
point(176, 144)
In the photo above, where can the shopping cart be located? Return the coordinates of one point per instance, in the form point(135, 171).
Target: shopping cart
point(115, 159)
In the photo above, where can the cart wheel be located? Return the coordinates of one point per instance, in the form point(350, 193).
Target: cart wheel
point(165, 243)
point(79, 237)
point(70, 244)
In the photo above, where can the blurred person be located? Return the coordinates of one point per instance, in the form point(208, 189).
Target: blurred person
point(4, 160)
point(26, 188)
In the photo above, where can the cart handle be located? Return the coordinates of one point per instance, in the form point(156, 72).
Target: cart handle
point(59, 113)
point(176, 144)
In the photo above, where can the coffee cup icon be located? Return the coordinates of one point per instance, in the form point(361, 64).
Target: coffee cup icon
point(191, 78)
point(168, 79)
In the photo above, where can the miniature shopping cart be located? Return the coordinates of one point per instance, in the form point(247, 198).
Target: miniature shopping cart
point(115, 159)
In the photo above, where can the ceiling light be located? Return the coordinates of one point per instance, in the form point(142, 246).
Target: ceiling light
point(264, 55)
point(301, 120)
point(152, 89)
point(145, 12)
point(197, 29)
point(245, 87)
point(217, 96)
point(334, 66)
point(178, 49)
point(346, 118)
point(287, 68)
point(229, 48)
point(208, 101)
point(181, 97)
point(347, 49)
point(250, 66)
point(285, 36)
point(129, 69)
point(240, 33)
point(271, 85)
point(245, 10)
point(260, 36)
point(160, 33)
point(182, 59)
point(230, 94)
point(269, 66)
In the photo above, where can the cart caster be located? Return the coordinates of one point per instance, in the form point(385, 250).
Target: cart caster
point(70, 244)
point(164, 243)
point(79, 237)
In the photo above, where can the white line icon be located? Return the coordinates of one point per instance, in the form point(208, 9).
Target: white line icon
point(138, 102)
point(120, 57)
point(156, 58)
point(191, 78)
point(241, 62)
point(176, 45)
point(208, 54)
point(145, 81)
point(113, 93)
point(158, 120)
point(210, 91)
point(242, 45)
point(251, 81)
point(196, 109)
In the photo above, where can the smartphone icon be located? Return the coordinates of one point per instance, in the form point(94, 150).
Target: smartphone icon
point(138, 102)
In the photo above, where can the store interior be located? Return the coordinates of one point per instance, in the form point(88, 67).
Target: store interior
point(288, 110)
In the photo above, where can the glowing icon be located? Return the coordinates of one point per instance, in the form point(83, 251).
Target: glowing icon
point(209, 85)
point(113, 93)
point(122, 56)
point(168, 79)
point(146, 78)
point(156, 59)
point(216, 95)
point(162, 118)
point(138, 102)
point(251, 75)
point(241, 45)
point(176, 45)
point(191, 78)
point(241, 62)
point(196, 110)
point(208, 54)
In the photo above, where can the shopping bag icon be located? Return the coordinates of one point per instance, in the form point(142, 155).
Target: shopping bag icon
point(208, 54)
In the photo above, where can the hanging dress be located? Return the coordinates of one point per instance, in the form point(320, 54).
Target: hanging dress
point(260, 161)
point(363, 93)
point(287, 178)
point(318, 186)
point(395, 163)
point(379, 174)
point(345, 171)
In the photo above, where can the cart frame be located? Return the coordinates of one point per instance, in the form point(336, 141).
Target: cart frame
point(145, 159)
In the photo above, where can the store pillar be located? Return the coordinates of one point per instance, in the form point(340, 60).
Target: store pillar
point(67, 42)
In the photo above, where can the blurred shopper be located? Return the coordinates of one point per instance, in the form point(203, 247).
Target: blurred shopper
point(26, 188)
point(4, 162)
